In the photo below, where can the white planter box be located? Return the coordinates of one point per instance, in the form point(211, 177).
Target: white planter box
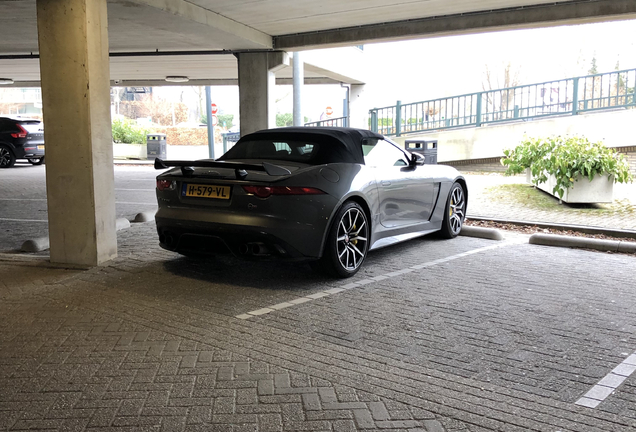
point(599, 190)
point(129, 151)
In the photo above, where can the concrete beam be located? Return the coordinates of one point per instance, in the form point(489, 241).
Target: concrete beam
point(201, 15)
point(542, 15)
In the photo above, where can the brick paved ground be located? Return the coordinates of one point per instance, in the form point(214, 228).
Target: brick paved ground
point(436, 336)
point(152, 342)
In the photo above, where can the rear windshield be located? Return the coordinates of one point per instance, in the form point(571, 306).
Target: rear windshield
point(279, 150)
point(31, 126)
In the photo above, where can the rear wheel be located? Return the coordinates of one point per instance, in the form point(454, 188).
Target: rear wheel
point(347, 242)
point(7, 159)
point(455, 212)
point(37, 161)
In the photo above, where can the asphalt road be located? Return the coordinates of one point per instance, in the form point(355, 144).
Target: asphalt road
point(23, 205)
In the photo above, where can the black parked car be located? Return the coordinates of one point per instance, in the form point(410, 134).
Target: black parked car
point(21, 138)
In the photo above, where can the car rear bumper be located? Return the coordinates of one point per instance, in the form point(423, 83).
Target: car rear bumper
point(29, 152)
point(246, 236)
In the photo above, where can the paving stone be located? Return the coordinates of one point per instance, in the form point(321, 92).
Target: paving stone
point(311, 402)
point(363, 418)
point(433, 426)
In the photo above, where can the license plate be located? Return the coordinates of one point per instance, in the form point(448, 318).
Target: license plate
point(205, 191)
point(40, 147)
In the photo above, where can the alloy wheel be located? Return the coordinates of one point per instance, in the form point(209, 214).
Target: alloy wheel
point(351, 241)
point(457, 209)
point(5, 157)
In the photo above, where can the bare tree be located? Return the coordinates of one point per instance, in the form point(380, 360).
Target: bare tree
point(497, 86)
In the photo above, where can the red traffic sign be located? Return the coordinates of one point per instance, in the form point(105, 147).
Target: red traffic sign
point(215, 108)
point(329, 111)
point(215, 120)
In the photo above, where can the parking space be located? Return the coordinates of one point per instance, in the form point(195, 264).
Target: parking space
point(431, 335)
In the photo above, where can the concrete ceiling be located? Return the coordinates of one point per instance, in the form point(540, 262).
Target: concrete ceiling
point(208, 31)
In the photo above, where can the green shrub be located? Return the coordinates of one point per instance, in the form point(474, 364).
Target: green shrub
point(567, 159)
point(128, 132)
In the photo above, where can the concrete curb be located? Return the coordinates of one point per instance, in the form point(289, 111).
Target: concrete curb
point(582, 242)
point(122, 223)
point(146, 216)
point(35, 245)
point(40, 244)
point(579, 228)
point(481, 232)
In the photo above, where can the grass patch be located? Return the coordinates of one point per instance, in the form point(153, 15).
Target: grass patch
point(528, 196)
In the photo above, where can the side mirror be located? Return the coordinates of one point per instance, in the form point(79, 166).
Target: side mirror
point(417, 159)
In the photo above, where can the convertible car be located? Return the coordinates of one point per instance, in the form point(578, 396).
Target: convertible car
point(323, 195)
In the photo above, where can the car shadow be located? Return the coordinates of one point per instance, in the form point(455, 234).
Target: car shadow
point(285, 275)
point(228, 270)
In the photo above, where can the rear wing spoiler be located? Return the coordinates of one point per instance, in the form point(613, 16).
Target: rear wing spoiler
point(240, 168)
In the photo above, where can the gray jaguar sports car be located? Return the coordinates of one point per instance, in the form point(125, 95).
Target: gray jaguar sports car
point(323, 195)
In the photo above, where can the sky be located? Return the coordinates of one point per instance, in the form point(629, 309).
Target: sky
point(447, 66)
point(418, 70)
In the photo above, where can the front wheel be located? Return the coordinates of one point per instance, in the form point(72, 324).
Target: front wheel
point(36, 161)
point(455, 212)
point(7, 159)
point(347, 241)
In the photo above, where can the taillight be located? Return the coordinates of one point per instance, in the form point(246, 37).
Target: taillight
point(22, 134)
point(266, 191)
point(166, 185)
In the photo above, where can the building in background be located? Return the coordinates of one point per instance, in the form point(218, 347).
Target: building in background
point(25, 102)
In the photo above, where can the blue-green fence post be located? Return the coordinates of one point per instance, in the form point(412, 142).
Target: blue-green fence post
point(516, 111)
point(374, 120)
point(398, 118)
point(575, 96)
point(478, 110)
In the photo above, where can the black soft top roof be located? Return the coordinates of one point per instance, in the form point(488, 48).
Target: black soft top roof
point(338, 144)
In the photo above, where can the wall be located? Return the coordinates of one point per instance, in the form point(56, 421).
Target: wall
point(615, 129)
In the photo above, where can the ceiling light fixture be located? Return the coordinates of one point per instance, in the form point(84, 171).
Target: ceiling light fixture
point(5, 81)
point(177, 79)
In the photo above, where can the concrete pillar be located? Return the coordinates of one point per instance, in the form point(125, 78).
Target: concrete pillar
point(358, 107)
point(257, 79)
point(299, 82)
point(73, 43)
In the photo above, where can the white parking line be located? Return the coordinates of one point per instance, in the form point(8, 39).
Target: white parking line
point(609, 383)
point(22, 220)
point(321, 294)
point(22, 199)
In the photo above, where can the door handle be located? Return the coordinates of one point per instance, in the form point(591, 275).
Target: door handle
point(385, 183)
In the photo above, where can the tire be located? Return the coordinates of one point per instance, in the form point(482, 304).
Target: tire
point(454, 212)
point(7, 158)
point(347, 242)
point(37, 161)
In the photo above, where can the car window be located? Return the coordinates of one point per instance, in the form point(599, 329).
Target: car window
point(381, 153)
point(296, 151)
point(282, 146)
point(31, 126)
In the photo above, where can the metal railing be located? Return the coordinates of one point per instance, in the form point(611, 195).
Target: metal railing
point(612, 90)
point(333, 122)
